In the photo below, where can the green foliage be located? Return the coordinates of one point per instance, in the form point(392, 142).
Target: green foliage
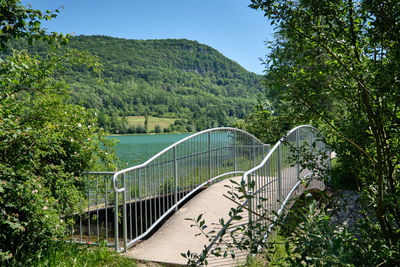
point(317, 241)
point(162, 78)
point(65, 254)
point(146, 123)
point(305, 236)
point(18, 21)
point(45, 144)
point(336, 65)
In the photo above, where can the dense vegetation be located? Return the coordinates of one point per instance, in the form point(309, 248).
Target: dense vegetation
point(336, 65)
point(163, 78)
point(46, 142)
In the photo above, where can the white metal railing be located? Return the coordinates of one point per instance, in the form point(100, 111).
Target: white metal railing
point(126, 206)
point(291, 166)
point(153, 190)
point(97, 222)
point(296, 159)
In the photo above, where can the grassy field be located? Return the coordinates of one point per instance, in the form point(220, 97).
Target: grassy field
point(153, 121)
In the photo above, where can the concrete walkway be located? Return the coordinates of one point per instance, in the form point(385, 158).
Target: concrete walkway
point(176, 236)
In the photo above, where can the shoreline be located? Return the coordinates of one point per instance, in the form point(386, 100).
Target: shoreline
point(139, 134)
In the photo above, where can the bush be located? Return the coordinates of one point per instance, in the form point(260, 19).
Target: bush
point(45, 145)
point(157, 129)
point(65, 254)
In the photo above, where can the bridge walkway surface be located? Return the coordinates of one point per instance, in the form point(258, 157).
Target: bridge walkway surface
point(176, 236)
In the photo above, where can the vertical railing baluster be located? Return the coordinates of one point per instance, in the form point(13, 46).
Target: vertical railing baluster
point(209, 156)
point(88, 191)
point(249, 199)
point(140, 200)
point(311, 143)
point(97, 208)
point(159, 181)
point(116, 222)
point(136, 192)
point(254, 152)
point(234, 151)
point(124, 221)
point(176, 179)
point(150, 195)
point(130, 206)
point(106, 205)
point(279, 174)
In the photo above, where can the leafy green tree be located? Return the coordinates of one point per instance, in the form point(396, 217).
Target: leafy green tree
point(157, 129)
point(46, 143)
point(336, 65)
point(18, 21)
point(146, 123)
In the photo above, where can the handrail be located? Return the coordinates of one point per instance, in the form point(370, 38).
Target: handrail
point(159, 220)
point(153, 190)
point(116, 174)
point(163, 182)
point(275, 147)
point(292, 180)
point(270, 180)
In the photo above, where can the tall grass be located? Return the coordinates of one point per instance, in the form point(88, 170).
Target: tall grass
point(62, 254)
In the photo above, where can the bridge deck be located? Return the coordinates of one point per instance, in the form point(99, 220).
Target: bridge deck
point(176, 236)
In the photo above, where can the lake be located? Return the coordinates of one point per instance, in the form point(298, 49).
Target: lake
point(136, 149)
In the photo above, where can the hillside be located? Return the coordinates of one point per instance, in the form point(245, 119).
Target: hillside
point(163, 78)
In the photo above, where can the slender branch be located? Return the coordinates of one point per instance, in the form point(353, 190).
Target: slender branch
point(336, 131)
point(352, 32)
point(262, 216)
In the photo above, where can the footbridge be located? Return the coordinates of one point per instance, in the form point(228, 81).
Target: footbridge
point(141, 210)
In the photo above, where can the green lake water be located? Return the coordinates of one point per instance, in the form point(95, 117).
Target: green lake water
point(136, 149)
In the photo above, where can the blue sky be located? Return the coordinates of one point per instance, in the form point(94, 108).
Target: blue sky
point(229, 26)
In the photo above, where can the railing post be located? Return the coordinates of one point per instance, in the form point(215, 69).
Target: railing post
point(116, 221)
point(234, 151)
point(249, 202)
point(279, 174)
point(176, 178)
point(263, 151)
point(124, 219)
point(140, 200)
point(254, 153)
point(209, 155)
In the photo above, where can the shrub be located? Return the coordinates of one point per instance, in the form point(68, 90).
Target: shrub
point(45, 145)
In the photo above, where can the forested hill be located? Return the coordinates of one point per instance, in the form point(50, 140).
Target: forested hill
point(164, 78)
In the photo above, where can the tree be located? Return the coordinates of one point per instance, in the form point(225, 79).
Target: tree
point(46, 143)
point(336, 65)
point(157, 129)
point(146, 123)
point(17, 21)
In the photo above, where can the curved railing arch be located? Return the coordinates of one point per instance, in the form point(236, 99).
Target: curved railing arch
point(153, 190)
point(284, 170)
point(174, 145)
point(277, 178)
point(149, 192)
